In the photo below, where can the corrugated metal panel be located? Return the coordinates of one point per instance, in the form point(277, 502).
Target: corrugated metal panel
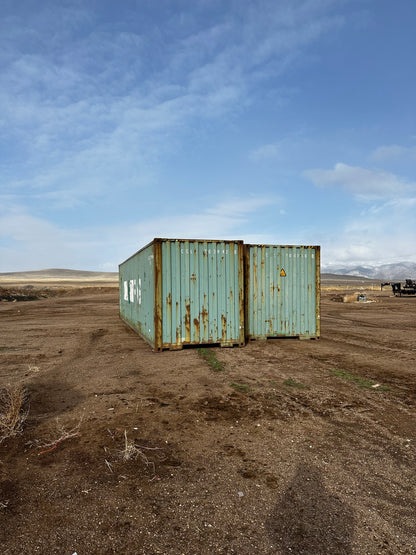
point(137, 292)
point(196, 296)
point(282, 291)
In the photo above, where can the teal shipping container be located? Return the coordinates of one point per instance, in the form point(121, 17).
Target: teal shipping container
point(282, 291)
point(177, 292)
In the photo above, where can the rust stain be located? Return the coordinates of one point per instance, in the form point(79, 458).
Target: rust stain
point(205, 321)
point(193, 277)
point(187, 322)
point(178, 324)
point(255, 275)
point(223, 327)
point(169, 307)
point(196, 325)
point(241, 304)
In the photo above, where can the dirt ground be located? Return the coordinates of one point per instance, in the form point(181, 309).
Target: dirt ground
point(289, 449)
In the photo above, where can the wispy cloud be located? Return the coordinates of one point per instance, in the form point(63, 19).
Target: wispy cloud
point(111, 114)
point(266, 152)
point(89, 110)
point(393, 152)
point(361, 182)
point(31, 242)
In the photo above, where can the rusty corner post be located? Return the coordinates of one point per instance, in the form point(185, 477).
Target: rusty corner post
point(242, 290)
point(246, 281)
point(318, 289)
point(157, 261)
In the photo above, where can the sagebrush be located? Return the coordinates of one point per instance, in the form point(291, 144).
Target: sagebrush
point(14, 409)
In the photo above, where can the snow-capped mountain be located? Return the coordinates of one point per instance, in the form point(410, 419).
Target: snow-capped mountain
point(397, 271)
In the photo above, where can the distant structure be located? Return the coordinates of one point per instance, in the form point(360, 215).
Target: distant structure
point(408, 289)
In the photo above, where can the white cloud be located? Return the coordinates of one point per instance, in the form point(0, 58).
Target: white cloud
point(27, 242)
point(393, 152)
point(226, 220)
point(384, 233)
point(363, 183)
point(22, 227)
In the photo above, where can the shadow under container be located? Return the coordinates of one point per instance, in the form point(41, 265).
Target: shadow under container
point(282, 291)
point(177, 292)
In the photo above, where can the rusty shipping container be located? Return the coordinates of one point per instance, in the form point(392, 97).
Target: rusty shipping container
point(177, 292)
point(282, 291)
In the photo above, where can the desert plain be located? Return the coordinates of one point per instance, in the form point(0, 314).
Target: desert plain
point(279, 447)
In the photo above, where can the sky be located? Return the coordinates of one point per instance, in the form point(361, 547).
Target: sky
point(272, 121)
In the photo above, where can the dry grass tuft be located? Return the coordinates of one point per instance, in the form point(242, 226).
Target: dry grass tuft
point(13, 411)
point(350, 298)
point(132, 451)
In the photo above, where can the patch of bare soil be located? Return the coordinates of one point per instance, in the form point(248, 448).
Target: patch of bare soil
point(34, 293)
point(296, 447)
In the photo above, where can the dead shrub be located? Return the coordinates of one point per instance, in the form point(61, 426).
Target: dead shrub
point(132, 451)
point(13, 411)
point(49, 445)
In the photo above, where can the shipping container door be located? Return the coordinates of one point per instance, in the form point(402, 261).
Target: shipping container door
point(202, 286)
point(282, 299)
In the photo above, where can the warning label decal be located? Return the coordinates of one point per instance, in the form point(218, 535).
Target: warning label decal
point(282, 273)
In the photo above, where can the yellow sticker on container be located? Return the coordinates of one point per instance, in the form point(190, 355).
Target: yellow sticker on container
point(282, 273)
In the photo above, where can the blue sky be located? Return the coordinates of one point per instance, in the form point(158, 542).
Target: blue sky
point(285, 122)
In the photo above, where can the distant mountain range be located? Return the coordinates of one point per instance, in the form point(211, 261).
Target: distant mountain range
point(389, 272)
point(386, 272)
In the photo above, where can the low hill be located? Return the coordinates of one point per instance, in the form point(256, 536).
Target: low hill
point(82, 277)
point(58, 275)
